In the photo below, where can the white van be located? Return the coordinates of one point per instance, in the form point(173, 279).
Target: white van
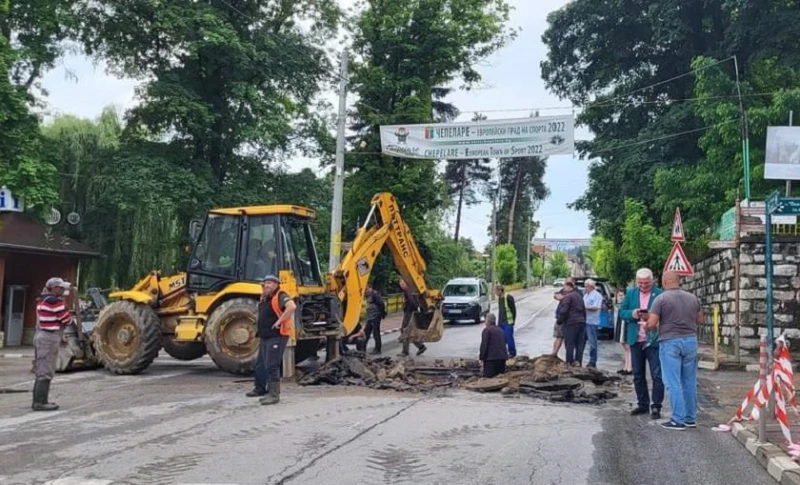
point(465, 299)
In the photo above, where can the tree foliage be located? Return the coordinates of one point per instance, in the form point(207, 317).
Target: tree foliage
point(507, 263)
point(405, 54)
point(32, 36)
point(557, 265)
point(233, 86)
point(521, 190)
point(642, 245)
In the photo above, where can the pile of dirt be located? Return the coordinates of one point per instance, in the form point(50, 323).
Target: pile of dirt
point(546, 377)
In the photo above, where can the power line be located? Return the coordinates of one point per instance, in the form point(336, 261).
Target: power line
point(632, 143)
point(666, 81)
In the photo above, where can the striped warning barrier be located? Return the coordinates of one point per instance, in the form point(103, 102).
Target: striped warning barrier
point(778, 383)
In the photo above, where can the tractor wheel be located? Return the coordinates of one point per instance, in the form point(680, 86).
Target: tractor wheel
point(230, 336)
point(127, 337)
point(183, 350)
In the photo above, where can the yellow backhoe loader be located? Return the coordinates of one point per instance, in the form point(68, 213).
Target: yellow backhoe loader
point(212, 306)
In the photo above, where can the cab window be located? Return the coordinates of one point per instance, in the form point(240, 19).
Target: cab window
point(216, 247)
point(301, 258)
point(261, 257)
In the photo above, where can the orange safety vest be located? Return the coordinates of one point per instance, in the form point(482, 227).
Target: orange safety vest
point(287, 327)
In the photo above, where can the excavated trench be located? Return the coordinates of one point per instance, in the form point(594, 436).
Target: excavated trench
point(545, 377)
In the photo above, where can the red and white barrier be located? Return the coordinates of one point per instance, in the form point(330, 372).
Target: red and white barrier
point(780, 384)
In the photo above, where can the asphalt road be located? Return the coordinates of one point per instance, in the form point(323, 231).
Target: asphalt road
point(189, 423)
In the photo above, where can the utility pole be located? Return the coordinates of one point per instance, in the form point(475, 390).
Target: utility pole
point(338, 181)
point(494, 242)
point(528, 255)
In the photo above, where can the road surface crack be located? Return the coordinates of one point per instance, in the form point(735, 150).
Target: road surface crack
point(336, 448)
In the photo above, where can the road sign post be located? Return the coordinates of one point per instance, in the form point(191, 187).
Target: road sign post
point(677, 260)
point(774, 205)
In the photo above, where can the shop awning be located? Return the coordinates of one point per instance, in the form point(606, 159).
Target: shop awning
point(20, 233)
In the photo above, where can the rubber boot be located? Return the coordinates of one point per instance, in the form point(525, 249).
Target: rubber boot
point(256, 393)
point(273, 394)
point(41, 390)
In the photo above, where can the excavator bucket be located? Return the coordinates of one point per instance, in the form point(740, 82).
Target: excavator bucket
point(424, 327)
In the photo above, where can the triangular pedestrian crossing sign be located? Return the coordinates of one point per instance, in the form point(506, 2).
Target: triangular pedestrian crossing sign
point(678, 262)
point(677, 227)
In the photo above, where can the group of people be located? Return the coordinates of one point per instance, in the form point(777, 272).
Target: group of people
point(497, 339)
point(577, 320)
point(659, 328)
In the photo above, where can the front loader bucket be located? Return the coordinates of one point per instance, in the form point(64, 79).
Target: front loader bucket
point(424, 327)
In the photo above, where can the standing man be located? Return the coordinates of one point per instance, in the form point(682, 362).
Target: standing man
point(643, 343)
point(572, 317)
point(675, 315)
point(409, 307)
point(507, 313)
point(558, 331)
point(52, 316)
point(275, 326)
point(593, 301)
point(376, 311)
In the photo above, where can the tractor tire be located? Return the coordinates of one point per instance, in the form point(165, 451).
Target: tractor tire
point(230, 336)
point(127, 337)
point(183, 350)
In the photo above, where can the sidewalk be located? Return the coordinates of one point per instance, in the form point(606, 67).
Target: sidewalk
point(729, 390)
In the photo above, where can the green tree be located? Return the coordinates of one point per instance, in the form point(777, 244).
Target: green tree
point(642, 244)
point(232, 85)
point(628, 97)
point(405, 56)
point(507, 262)
point(557, 265)
point(466, 179)
point(608, 261)
point(537, 269)
point(521, 190)
point(32, 36)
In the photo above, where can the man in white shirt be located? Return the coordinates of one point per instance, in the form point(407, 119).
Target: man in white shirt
point(593, 301)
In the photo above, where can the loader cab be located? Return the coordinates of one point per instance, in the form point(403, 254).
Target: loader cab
point(245, 244)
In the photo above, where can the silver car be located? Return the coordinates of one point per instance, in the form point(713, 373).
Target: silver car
point(465, 299)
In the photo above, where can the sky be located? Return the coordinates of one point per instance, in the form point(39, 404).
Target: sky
point(512, 87)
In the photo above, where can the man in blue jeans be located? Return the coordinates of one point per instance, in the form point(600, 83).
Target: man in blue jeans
point(593, 301)
point(643, 343)
point(676, 313)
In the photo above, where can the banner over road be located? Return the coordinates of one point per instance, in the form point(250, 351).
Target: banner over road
point(525, 137)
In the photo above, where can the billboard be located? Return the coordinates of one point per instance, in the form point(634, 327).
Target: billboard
point(525, 137)
point(568, 245)
point(782, 159)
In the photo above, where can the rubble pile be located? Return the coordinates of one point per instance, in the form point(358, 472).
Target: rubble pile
point(545, 377)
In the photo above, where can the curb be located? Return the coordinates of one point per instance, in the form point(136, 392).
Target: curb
point(777, 463)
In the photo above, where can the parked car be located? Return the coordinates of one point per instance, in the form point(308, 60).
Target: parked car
point(559, 282)
point(465, 299)
point(606, 330)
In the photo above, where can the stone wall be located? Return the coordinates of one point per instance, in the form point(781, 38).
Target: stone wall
point(714, 283)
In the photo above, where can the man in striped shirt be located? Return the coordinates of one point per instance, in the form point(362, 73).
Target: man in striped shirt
point(51, 318)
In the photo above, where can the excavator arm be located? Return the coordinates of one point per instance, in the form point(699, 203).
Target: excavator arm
point(385, 226)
